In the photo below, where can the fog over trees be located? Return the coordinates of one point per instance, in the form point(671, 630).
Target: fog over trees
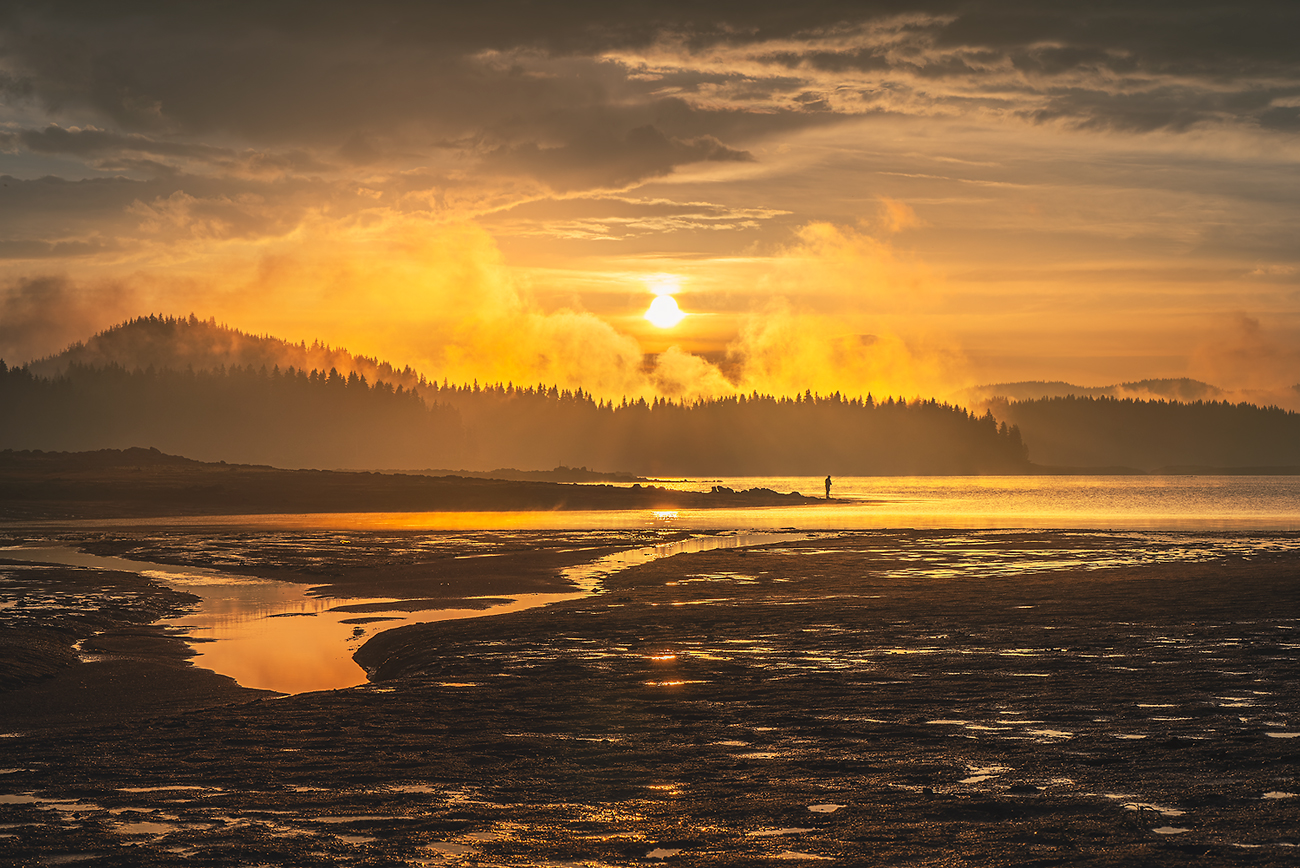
point(194, 388)
point(288, 418)
point(1149, 435)
point(184, 343)
point(255, 410)
point(734, 436)
point(309, 419)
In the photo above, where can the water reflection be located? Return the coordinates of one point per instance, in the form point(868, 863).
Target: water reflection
point(1040, 502)
point(587, 576)
point(276, 635)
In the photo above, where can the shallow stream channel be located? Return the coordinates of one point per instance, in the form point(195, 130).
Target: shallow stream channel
point(276, 635)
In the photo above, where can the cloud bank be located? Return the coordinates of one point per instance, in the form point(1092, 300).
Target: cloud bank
point(386, 175)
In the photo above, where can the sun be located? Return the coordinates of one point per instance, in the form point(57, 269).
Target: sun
point(664, 312)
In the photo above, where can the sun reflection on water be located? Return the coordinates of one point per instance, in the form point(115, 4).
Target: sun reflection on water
point(949, 502)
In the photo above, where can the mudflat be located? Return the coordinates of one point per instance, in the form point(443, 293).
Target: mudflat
point(990, 698)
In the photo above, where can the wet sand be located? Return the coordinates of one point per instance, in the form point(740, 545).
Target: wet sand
point(927, 698)
point(83, 646)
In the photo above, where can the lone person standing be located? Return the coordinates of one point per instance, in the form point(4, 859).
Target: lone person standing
point(828, 488)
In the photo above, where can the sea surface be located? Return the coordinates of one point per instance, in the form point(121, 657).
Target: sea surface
point(1066, 502)
point(280, 636)
point(866, 502)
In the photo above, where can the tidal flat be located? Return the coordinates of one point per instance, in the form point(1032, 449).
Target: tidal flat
point(888, 697)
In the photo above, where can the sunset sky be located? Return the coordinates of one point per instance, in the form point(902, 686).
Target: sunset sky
point(905, 197)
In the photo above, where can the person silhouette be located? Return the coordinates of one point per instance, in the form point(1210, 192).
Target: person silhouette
point(828, 488)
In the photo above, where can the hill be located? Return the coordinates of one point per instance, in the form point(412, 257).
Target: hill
point(192, 387)
point(288, 418)
point(1182, 389)
point(127, 387)
point(189, 343)
point(743, 435)
point(297, 419)
point(1182, 436)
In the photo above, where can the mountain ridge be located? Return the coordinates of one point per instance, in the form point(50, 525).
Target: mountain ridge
point(1169, 389)
point(211, 392)
point(191, 387)
point(182, 343)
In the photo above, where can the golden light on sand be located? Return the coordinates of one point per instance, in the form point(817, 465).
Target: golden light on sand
point(664, 312)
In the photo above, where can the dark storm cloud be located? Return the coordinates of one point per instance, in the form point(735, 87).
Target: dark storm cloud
point(1175, 108)
point(612, 146)
point(606, 161)
point(41, 313)
point(94, 142)
point(550, 89)
point(127, 152)
point(585, 27)
point(1181, 37)
point(27, 203)
point(285, 69)
point(1286, 118)
point(52, 217)
point(37, 249)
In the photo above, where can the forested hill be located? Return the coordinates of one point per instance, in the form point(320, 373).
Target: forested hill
point(1151, 435)
point(1181, 389)
point(741, 435)
point(286, 418)
point(295, 418)
point(185, 343)
point(196, 388)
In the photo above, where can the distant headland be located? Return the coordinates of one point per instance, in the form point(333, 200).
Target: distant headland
point(146, 483)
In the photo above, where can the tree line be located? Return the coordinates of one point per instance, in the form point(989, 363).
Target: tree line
point(189, 342)
point(295, 418)
point(741, 435)
point(287, 418)
point(1148, 435)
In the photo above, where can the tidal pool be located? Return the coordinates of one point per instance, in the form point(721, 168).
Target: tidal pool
point(276, 635)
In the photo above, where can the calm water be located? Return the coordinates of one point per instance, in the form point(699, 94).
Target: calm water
point(1080, 502)
point(1067, 502)
point(276, 635)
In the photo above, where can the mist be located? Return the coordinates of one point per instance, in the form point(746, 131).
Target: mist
point(1251, 362)
point(44, 314)
point(444, 302)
